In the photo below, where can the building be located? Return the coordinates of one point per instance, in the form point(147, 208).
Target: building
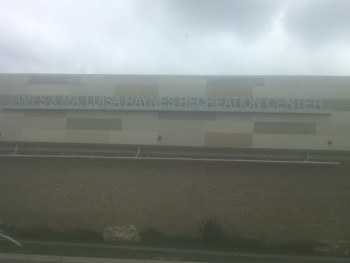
point(266, 155)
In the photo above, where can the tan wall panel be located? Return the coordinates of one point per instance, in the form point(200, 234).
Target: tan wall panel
point(229, 92)
point(132, 137)
point(335, 116)
point(13, 84)
point(136, 86)
point(320, 142)
point(329, 80)
point(136, 81)
point(278, 141)
point(336, 104)
point(281, 92)
point(228, 127)
point(189, 138)
point(284, 128)
point(327, 91)
point(279, 117)
point(39, 135)
point(213, 139)
point(94, 114)
point(38, 90)
point(139, 121)
point(281, 87)
point(181, 132)
point(240, 117)
point(182, 86)
point(86, 136)
point(43, 113)
point(44, 123)
point(93, 124)
point(13, 80)
point(180, 126)
point(186, 116)
point(284, 82)
point(83, 90)
point(11, 113)
point(333, 128)
point(11, 122)
point(232, 87)
point(326, 81)
point(5, 99)
point(11, 119)
point(125, 91)
point(54, 79)
point(9, 134)
point(327, 87)
point(100, 80)
point(12, 90)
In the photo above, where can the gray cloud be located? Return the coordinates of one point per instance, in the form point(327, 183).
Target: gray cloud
point(318, 23)
point(244, 19)
point(174, 37)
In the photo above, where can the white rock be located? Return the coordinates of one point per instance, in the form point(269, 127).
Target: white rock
point(121, 233)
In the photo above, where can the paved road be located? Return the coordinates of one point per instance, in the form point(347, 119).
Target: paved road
point(167, 255)
point(149, 261)
point(192, 251)
point(251, 258)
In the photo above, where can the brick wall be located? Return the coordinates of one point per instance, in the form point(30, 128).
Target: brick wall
point(278, 201)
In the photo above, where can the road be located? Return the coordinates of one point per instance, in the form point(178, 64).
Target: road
point(17, 258)
point(132, 254)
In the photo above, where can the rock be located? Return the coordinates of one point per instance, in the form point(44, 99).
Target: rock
point(121, 233)
point(334, 247)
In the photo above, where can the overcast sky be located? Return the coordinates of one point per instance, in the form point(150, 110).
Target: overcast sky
point(217, 37)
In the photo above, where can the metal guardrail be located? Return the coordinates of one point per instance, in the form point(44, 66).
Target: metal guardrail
point(97, 151)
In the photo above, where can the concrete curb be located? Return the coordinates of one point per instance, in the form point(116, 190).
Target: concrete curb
point(66, 259)
point(44, 258)
point(211, 253)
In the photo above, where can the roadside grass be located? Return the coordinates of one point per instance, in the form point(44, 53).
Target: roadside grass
point(88, 252)
point(212, 238)
point(92, 252)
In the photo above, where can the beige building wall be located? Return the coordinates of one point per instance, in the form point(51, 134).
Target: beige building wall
point(275, 201)
point(206, 129)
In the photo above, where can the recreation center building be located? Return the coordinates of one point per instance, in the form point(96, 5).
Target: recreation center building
point(268, 156)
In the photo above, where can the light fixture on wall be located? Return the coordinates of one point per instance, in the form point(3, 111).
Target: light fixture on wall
point(159, 138)
point(329, 142)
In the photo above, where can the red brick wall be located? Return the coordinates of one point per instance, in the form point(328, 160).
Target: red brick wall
point(278, 201)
